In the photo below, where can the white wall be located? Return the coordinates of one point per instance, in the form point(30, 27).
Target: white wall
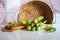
point(13, 7)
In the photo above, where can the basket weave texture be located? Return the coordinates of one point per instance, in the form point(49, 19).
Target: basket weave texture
point(34, 9)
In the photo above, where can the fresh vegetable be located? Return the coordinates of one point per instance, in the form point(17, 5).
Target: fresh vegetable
point(36, 21)
point(39, 28)
point(34, 29)
point(32, 24)
point(40, 18)
point(48, 25)
point(49, 28)
point(45, 21)
point(28, 28)
point(37, 24)
point(53, 30)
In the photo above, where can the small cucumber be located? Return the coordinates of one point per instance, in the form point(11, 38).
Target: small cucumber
point(53, 30)
point(28, 28)
point(34, 28)
point(40, 18)
point(32, 24)
point(36, 21)
point(37, 24)
point(39, 28)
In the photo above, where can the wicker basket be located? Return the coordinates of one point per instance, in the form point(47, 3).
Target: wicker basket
point(34, 9)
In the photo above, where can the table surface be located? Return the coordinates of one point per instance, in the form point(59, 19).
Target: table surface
point(30, 35)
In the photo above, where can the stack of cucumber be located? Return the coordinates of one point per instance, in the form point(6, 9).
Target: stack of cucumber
point(36, 25)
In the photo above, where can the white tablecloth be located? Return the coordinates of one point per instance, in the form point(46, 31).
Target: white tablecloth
point(31, 35)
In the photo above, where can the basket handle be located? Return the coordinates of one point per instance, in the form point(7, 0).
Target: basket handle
point(54, 18)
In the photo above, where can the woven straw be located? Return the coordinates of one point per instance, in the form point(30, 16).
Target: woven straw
point(34, 9)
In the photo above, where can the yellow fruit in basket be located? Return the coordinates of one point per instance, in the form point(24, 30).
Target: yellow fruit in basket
point(24, 21)
point(41, 23)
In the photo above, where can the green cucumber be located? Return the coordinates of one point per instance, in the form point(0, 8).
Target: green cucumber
point(53, 30)
point(40, 18)
point(38, 24)
point(32, 24)
point(39, 28)
point(36, 21)
point(34, 29)
point(28, 28)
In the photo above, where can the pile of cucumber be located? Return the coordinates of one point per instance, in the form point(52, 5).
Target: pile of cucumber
point(35, 25)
